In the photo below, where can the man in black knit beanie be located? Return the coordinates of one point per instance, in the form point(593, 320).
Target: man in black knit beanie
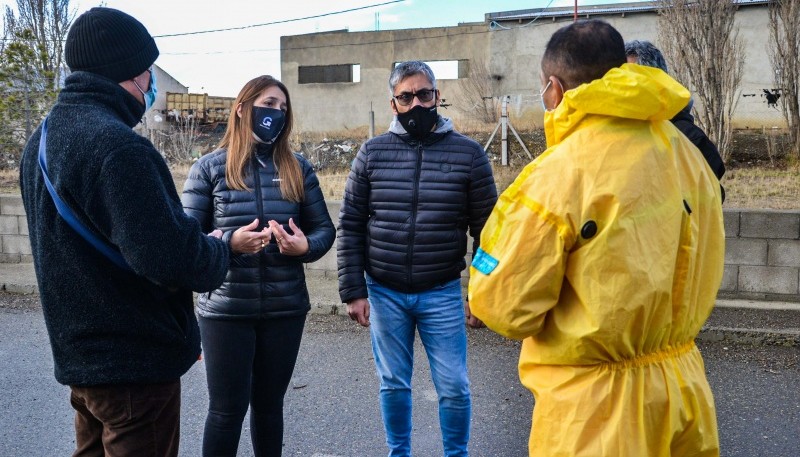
point(116, 296)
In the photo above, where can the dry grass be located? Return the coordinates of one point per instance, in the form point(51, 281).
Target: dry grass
point(757, 188)
point(179, 174)
point(751, 187)
point(769, 188)
point(299, 137)
point(332, 184)
point(9, 181)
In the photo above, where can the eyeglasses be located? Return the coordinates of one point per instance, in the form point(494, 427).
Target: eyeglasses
point(424, 96)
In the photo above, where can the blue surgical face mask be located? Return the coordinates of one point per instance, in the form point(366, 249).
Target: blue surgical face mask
point(268, 124)
point(150, 95)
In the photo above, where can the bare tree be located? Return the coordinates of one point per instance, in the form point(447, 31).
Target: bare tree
point(31, 55)
point(480, 100)
point(26, 94)
point(784, 54)
point(183, 139)
point(48, 22)
point(702, 43)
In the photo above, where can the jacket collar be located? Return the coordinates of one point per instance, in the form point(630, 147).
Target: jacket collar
point(444, 125)
point(84, 88)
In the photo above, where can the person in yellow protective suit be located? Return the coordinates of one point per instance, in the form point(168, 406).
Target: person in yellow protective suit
point(604, 256)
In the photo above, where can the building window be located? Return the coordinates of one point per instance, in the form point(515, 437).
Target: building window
point(448, 69)
point(345, 73)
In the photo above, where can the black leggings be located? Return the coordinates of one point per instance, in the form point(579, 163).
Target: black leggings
point(248, 361)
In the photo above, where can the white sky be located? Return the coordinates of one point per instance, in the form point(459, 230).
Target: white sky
point(220, 63)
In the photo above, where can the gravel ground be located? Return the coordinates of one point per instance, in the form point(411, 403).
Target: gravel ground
point(332, 408)
point(19, 302)
point(720, 317)
point(755, 318)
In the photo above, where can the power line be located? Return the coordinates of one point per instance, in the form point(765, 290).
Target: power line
point(284, 21)
point(494, 24)
point(243, 27)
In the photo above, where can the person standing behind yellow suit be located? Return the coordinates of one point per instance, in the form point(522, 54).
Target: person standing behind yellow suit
point(604, 257)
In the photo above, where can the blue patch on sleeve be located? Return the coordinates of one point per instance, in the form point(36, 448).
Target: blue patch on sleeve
point(483, 262)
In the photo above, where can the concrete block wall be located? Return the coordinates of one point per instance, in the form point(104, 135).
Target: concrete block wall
point(14, 245)
point(762, 252)
point(762, 255)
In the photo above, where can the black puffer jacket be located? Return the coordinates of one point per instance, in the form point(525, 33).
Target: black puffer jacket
point(407, 208)
point(267, 284)
point(684, 121)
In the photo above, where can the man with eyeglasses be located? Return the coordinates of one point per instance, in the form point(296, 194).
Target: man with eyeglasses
point(411, 197)
point(116, 257)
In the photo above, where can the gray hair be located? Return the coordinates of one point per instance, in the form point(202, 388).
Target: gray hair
point(646, 54)
point(405, 69)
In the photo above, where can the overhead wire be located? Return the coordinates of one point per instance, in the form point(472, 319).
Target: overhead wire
point(496, 25)
point(493, 26)
point(282, 21)
point(250, 26)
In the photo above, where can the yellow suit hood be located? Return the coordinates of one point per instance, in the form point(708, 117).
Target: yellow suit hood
point(629, 92)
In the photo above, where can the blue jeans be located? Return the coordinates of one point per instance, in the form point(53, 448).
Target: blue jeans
point(438, 315)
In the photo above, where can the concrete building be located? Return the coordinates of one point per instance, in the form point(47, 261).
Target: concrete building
point(155, 118)
point(336, 78)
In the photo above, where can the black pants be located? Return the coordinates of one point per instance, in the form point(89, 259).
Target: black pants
point(248, 362)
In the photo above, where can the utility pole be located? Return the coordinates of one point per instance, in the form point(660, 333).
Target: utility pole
point(505, 123)
point(371, 121)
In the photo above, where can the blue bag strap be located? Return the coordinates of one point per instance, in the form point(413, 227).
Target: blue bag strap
point(68, 215)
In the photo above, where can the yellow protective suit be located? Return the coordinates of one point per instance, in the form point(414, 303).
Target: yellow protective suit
point(605, 256)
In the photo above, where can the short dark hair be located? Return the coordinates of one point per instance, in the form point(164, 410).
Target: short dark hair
point(646, 54)
point(582, 52)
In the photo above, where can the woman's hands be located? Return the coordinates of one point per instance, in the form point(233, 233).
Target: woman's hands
point(294, 245)
point(247, 241)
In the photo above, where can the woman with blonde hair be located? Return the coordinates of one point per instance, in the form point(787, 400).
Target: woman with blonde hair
point(252, 325)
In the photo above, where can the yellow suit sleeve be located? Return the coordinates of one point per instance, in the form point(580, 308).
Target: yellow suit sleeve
point(516, 275)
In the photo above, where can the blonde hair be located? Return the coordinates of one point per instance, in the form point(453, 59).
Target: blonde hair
point(241, 145)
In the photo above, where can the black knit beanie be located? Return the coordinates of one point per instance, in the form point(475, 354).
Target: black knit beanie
point(110, 43)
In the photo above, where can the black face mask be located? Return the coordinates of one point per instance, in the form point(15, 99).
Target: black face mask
point(268, 123)
point(418, 121)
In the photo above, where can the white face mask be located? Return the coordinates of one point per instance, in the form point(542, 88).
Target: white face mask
point(541, 94)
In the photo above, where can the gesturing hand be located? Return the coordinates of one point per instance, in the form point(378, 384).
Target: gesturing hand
point(245, 241)
point(295, 244)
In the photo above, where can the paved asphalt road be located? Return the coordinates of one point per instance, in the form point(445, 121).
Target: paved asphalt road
point(332, 408)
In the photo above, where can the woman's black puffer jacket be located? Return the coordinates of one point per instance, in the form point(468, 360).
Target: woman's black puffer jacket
point(267, 284)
